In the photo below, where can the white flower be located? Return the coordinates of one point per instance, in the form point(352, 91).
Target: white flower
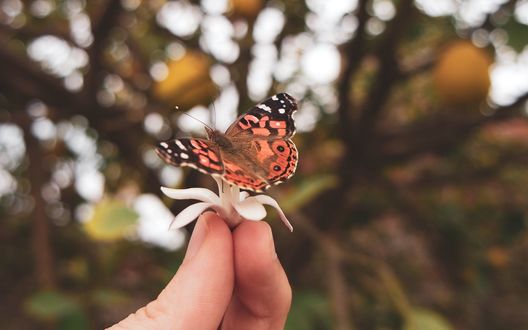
point(231, 204)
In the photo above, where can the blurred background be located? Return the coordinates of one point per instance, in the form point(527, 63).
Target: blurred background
point(410, 202)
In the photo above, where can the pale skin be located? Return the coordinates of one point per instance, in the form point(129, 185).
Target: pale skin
point(228, 280)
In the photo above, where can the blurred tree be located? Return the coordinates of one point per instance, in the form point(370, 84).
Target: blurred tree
point(410, 197)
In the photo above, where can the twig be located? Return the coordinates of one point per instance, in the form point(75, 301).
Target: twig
point(337, 255)
point(338, 289)
point(28, 32)
point(419, 65)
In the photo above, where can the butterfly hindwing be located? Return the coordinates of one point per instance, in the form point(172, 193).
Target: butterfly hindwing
point(284, 163)
point(239, 176)
point(197, 153)
point(278, 158)
point(271, 162)
point(270, 118)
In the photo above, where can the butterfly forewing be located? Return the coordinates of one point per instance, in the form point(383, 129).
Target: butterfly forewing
point(271, 118)
point(197, 153)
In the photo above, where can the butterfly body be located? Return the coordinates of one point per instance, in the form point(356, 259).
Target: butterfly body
point(219, 138)
point(254, 153)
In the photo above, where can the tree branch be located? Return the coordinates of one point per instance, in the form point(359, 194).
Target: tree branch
point(438, 133)
point(27, 81)
point(44, 270)
point(355, 51)
point(100, 30)
point(388, 71)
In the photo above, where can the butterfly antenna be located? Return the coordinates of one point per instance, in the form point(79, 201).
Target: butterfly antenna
point(213, 119)
point(185, 113)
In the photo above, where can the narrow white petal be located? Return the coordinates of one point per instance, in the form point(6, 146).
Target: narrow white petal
point(189, 214)
point(264, 199)
point(201, 194)
point(250, 209)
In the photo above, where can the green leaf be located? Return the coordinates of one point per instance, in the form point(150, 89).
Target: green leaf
point(517, 34)
point(75, 320)
point(111, 220)
point(424, 319)
point(307, 191)
point(50, 305)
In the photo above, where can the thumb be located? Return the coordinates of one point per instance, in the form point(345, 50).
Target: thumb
point(198, 295)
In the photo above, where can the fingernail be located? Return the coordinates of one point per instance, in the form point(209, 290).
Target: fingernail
point(198, 237)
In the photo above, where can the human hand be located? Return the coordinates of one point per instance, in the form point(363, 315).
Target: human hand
point(228, 280)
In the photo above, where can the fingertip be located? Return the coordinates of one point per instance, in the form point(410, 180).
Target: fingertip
point(255, 237)
point(209, 225)
point(213, 220)
point(260, 279)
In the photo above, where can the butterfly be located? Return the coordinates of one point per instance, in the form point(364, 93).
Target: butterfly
point(255, 152)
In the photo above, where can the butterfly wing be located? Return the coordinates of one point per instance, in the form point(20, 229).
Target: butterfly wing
point(271, 118)
point(263, 134)
point(238, 174)
point(196, 153)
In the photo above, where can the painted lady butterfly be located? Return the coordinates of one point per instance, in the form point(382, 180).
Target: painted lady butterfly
point(254, 153)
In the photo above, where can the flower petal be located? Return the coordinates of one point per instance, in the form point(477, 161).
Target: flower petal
point(243, 195)
point(250, 209)
point(267, 200)
point(189, 214)
point(201, 194)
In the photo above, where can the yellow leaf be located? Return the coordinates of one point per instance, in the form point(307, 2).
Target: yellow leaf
point(245, 8)
point(188, 82)
point(111, 220)
point(424, 319)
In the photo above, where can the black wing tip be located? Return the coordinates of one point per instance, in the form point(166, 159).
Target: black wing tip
point(287, 96)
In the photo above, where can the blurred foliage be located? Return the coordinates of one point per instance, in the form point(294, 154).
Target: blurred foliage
point(310, 310)
point(409, 201)
point(187, 82)
point(111, 220)
point(426, 320)
point(57, 308)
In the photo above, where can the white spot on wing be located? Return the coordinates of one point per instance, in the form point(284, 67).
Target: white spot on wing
point(184, 155)
point(180, 145)
point(282, 111)
point(274, 98)
point(264, 107)
point(164, 145)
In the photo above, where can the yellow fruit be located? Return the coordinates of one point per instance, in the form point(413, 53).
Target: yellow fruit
point(245, 8)
point(188, 82)
point(461, 74)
